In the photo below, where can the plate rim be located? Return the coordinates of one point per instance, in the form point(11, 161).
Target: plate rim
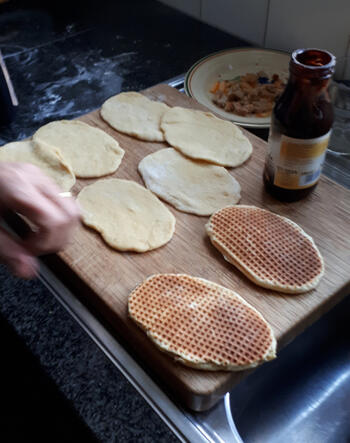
point(190, 71)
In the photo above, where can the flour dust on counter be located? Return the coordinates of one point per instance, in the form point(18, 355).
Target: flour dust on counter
point(75, 87)
point(89, 73)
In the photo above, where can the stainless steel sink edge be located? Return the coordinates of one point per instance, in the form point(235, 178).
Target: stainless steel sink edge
point(196, 427)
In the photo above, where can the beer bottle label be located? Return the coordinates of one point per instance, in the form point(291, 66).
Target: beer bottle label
point(296, 163)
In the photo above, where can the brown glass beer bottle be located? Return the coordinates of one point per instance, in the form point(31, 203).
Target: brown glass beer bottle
point(301, 124)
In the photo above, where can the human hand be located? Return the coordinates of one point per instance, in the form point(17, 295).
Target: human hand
point(26, 190)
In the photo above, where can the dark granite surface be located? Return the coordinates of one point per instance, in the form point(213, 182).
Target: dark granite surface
point(68, 68)
point(65, 58)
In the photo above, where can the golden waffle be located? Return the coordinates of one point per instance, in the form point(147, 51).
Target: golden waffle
point(202, 324)
point(270, 250)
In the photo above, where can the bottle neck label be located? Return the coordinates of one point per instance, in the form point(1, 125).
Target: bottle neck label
point(296, 163)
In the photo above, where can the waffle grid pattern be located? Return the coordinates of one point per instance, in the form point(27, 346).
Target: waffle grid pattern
point(272, 250)
point(203, 324)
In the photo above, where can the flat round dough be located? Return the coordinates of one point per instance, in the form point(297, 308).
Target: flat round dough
point(128, 216)
point(90, 151)
point(136, 115)
point(191, 186)
point(45, 158)
point(201, 135)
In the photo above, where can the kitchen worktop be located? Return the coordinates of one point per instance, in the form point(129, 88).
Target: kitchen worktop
point(64, 61)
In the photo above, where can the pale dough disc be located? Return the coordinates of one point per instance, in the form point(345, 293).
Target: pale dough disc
point(128, 216)
point(90, 151)
point(191, 186)
point(136, 115)
point(45, 158)
point(203, 136)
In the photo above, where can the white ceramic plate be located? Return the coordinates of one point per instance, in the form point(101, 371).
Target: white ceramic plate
point(228, 64)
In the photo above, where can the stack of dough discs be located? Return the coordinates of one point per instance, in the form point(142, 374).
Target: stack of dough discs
point(191, 186)
point(203, 136)
point(44, 157)
point(201, 323)
point(90, 151)
point(128, 216)
point(270, 250)
point(134, 114)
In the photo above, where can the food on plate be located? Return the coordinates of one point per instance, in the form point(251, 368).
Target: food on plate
point(201, 324)
point(252, 94)
point(134, 114)
point(128, 216)
point(44, 157)
point(270, 250)
point(191, 186)
point(202, 136)
point(90, 151)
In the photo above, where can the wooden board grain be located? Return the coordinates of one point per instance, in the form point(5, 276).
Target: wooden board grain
point(109, 276)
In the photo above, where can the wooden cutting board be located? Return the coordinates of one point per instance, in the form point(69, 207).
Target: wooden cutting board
point(104, 277)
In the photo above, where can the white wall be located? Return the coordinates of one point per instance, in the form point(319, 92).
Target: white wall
point(277, 24)
point(309, 23)
point(244, 18)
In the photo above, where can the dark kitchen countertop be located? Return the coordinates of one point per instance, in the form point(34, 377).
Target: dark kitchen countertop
point(65, 59)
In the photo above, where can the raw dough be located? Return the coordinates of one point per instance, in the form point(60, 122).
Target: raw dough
point(45, 158)
point(128, 216)
point(90, 151)
point(191, 186)
point(135, 114)
point(203, 136)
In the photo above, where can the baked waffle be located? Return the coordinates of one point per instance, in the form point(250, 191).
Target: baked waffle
point(270, 250)
point(200, 323)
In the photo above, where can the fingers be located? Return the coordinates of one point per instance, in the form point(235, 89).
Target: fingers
point(29, 192)
point(55, 220)
point(53, 233)
point(17, 258)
